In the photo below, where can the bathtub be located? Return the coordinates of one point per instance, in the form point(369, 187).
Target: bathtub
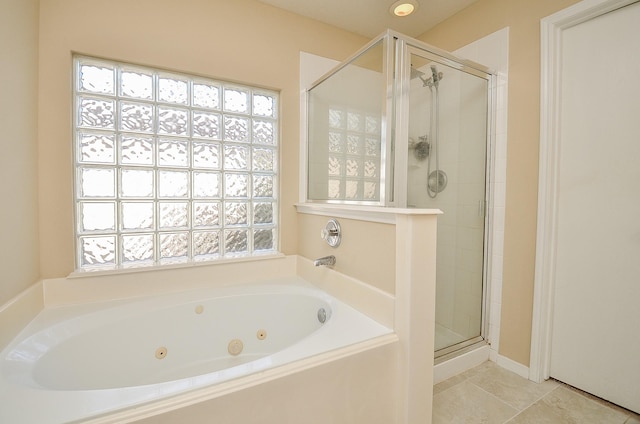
point(79, 362)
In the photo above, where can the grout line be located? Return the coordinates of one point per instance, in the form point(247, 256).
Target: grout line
point(500, 400)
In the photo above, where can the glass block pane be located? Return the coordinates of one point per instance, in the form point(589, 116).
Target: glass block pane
point(264, 105)
point(264, 160)
point(333, 190)
point(336, 118)
point(136, 117)
point(235, 241)
point(137, 247)
point(172, 153)
point(172, 90)
point(353, 145)
point(372, 125)
point(236, 100)
point(235, 157)
point(96, 113)
point(137, 215)
point(174, 245)
point(172, 121)
point(206, 155)
point(97, 182)
point(206, 125)
point(173, 215)
point(370, 190)
point(206, 243)
point(372, 147)
point(351, 190)
point(235, 213)
point(263, 213)
point(97, 79)
point(206, 184)
point(336, 142)
point(354, 121)
point(236, 129)
point(263, 239)
point(136, 183)
point(206, 95)
point(370, 169)
point(97, 216)
point(352, 168)
point(263, 186)
point(236, 185)
point(335, 166)
point(136, 150)
point(136, 84)
point(206, 214)
point(99, 250)
point(96, 148)
point(264, 132)
point(173, 184)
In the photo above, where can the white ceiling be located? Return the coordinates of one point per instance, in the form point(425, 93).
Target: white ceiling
point(371, 17)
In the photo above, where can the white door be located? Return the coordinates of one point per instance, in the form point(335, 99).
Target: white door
point(595, 342)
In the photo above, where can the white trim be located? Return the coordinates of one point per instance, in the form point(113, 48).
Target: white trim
point(380, 214)
point(551, 35)
point(513, 366)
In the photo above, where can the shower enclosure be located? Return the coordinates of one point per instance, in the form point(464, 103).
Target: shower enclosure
point(404, 124)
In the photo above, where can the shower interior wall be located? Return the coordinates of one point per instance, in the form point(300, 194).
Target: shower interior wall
point(461, 227)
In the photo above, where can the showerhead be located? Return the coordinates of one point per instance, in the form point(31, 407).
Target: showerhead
point(416, 74)
point(432, 81)
point(435, 75)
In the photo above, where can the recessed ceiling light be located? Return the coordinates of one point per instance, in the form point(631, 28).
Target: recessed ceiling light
point(403, 7)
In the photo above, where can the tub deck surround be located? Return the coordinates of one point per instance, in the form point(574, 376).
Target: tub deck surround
point(373, 302)
point(375, 379)
point(414, 300)
point(18, 312)
point(84, 287)
point(79, 361)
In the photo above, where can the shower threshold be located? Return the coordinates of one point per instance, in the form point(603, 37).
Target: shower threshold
point(457, 349)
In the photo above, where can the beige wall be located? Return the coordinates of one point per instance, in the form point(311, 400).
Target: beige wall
point(367, 251)
point(239, 40)
point(18, 145)
point(523, 19)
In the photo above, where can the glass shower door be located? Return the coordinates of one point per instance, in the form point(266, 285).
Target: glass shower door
point(446, 169)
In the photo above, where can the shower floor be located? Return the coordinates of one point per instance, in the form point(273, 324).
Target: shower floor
point(446, 337)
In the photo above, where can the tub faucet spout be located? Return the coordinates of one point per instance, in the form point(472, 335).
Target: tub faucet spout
point(326, 261)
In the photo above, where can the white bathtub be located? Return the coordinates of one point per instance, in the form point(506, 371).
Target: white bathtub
point(76, 362)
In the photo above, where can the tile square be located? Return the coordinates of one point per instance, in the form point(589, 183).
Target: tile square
point(467, 403)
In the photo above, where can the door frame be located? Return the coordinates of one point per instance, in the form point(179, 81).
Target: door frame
point(550, 87)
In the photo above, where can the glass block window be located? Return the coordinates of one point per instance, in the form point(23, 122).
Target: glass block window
point(354, 157)
point(170, 167)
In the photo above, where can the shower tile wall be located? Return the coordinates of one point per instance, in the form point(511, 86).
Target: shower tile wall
point(460, 255)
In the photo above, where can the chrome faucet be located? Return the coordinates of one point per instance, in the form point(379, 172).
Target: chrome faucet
point(326, 261)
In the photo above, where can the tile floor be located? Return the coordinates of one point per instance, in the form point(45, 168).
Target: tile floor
point(489, 394)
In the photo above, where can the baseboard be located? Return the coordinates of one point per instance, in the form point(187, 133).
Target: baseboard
point(513, 366)
point(459, 364)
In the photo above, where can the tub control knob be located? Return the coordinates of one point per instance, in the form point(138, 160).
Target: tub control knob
point(331, 233)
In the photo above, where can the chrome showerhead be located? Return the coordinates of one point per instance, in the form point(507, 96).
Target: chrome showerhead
point(416, 74)
point(435, 75)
